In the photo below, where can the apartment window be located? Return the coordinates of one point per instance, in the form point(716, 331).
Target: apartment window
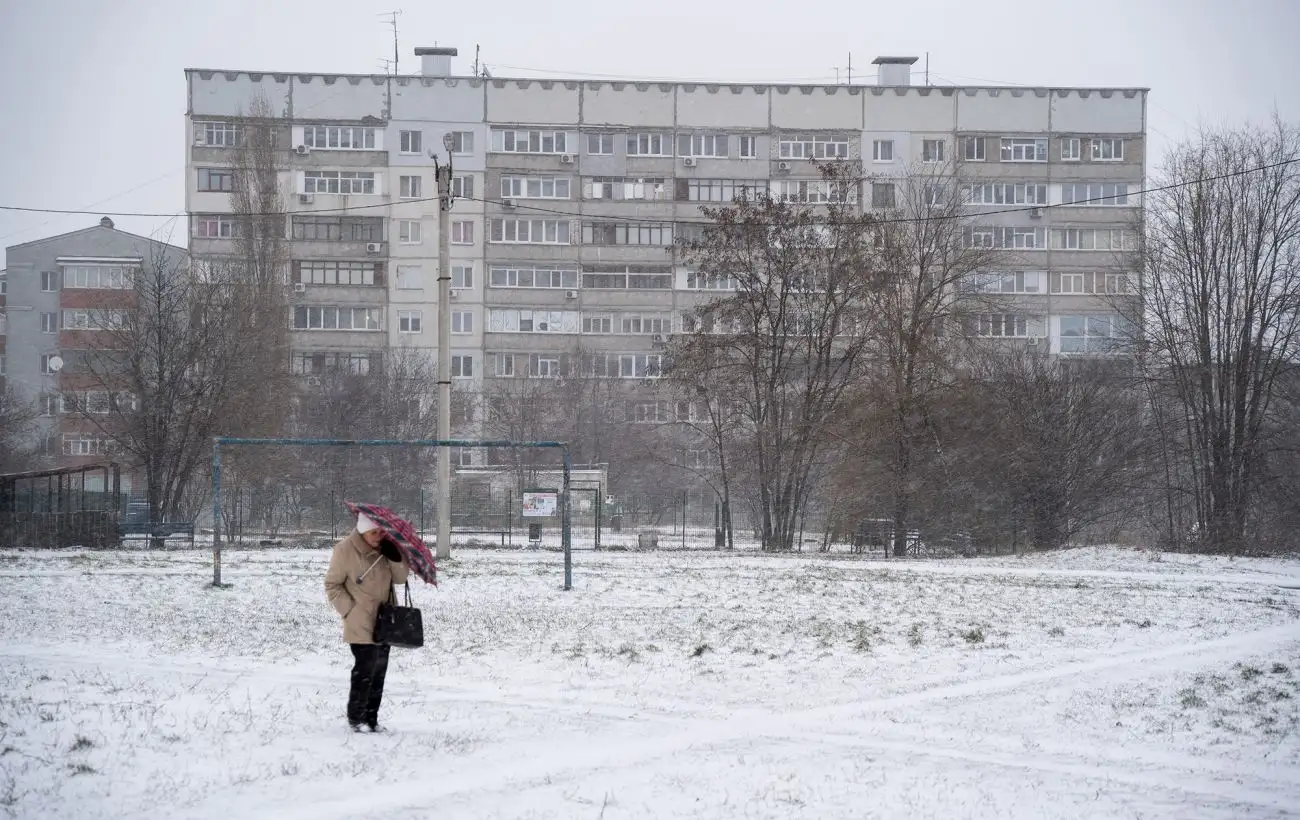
point(410, 321)
point(644, 323)
point(1117, 283)
point(530, 142)
point(720, 190)
point(109, 277)
point(1092, 334)
point(1021, 238)
point(331, 272)
point(1024, 150)
point(629, 278)
point(411, 142)
point(526, 320)
point(544, 365)
point(600, 144)
point(339, 228)
point(408, 231)
point(50, 404)
point(709, 281)
point(1007, 193)
point(1094, 193)
point(882, 151)
point(462, 276)
point(626, 233)
point(1072, 283)
point(932, 150)
point(76, 444)
point(219, 134)
point(747, 147)
point(46, 359)
point(809, 146)
point(93, 319)
point(1070, 149)
point(648, 412)
point(215, 226)
point(533, 276)
point(49, 323)
point(216, 179)
point(882, 195)
point(462, 367)
point(409, 187)
point(462, 232)
point(462, 142)
point(338, 137)
point(410, 277)
point(311, 317)
point(809, 191)
point(534, 187)
point(49, 281)
point(306, 363)
point(1107, 150)
point(503, 364)
point(649, 145)
point(648, 188)
point(972, 149)
point(462, 187)
point(1006, 282)
point(702, 145)
point(1092, 239)
point(1004, 325)
point(462, 321)
point(339, 182)
point(639, 365)
point(531, 231)
point(597, 323)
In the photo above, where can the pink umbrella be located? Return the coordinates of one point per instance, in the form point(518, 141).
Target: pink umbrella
point(418, 558)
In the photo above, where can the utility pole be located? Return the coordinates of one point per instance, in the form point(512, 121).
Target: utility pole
point(850, 68)
point(392, 15)
point(442, 176)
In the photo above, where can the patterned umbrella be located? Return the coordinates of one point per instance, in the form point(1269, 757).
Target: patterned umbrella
point(418, 558)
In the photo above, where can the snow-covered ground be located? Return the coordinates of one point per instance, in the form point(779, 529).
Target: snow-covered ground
point(1088, 683)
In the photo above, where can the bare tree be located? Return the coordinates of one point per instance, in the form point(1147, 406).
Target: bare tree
point(15, 422)
point(1222, 299)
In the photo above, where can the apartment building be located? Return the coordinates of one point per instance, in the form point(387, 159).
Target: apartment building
point(62, 294)
point(571, 192)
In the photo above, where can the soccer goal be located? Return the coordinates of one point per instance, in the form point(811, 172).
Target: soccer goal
point(227, 442)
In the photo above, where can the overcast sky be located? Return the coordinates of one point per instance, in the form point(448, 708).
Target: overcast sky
point(93, 96)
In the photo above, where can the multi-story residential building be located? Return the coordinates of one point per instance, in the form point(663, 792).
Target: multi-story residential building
point(62, 294)
point(571, 193)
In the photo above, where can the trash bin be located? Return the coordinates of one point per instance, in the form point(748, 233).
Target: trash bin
point(534, 534)
point(647, 540)
point(616, 522)
point(719, 539)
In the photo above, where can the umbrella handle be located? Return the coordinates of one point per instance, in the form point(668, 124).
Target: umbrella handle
point(363, 575)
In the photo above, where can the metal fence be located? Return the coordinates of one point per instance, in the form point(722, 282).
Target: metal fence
point(67, 507)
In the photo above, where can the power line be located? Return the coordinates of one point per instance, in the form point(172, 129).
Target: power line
point(515, 205)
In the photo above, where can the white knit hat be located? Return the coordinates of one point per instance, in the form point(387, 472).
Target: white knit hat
point(364, 524)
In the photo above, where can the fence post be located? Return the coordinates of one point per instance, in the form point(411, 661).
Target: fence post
point(566, 534)
point(216, 512)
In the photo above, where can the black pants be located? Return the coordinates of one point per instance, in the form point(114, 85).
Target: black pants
point(368, 670)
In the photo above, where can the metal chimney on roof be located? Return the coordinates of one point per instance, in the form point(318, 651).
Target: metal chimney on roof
point(435, 61)
point(894, 70)
point(105, 222)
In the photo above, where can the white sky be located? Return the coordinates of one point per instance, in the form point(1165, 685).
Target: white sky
point(92, 92)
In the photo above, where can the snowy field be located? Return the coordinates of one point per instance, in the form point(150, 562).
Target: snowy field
point(1092, 683)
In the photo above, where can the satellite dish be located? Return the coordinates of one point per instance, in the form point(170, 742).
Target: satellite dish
point(56, 363)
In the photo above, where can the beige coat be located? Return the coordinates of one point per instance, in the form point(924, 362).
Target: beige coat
point(358, 603)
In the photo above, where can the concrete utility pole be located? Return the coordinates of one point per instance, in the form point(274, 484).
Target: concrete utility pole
point(442, 175)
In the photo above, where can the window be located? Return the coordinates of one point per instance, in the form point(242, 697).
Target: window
point(1091, 282)
point(644, 323)
point(410, 277)
point(411, 142)
point(709, 281)
point(462, 275)
point(77, 444)
point(2, 365)
point(972, 149)
point(219, 134)
point(1092, 334)
point(533, 276)
point(648, 412)
point(93, 319)
point(639, 365)
point(534, 187)
point(1005, 325)
point(597, 323)
point(1094, 193)
point(932, 150)
point(1072, 283)
point(215, 226)
point(531, 231)
point(408, 231)
point(311, 362)
point(51, 404)
point(631, 277)
point(462, 142)
point(216, 179)
point(1007, 193)
point(49, 281)
point(720, 190)
point(648, 188)
point(649, 145)
point(626, 233)
point(1024, 150)
point(336, 318)
point(527, 320)
point(1005, 237)
point(503, 364)
point(1107, 150)
point(1092, 239)
point(339, 182)
point(882, 151)
point(702, 145)
point(530, 142)
point(600, 144)
point(110, 277)
point(882, 195)
point(462, 367)
point(810, 191)
point(329, 272)
point(462, 321)
point(1117, 283)
point(809, 146)
point(338, 137)
point(410, 321)
point(1070, 149)
point(409, 187)
point(339, 228)
point(746, 147)
point(544, 366)
point(93, 402)
point(49, 323)
point(46, 368)
point(462, 232)
point(1005, 282)
point(462, 186)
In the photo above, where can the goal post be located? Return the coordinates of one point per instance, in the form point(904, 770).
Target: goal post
point(566, 536)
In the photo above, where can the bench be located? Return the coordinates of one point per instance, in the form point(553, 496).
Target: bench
point(501, 533)
point(163, 530)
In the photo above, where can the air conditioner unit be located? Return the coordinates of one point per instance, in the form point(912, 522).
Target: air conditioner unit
point(508, 203)
point(659, 338)
point(455, 294)
point(299, 287)
point(302, 150)
point(1032, 341)
point(567, 159)
point(1035, 213)
point(690, 162)
point(374, 247)
point(783, 166)
point(570, 294)
point(305, 199)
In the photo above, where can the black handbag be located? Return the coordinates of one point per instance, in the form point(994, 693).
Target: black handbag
point(399, 626)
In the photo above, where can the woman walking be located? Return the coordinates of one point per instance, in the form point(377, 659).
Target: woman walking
point(363, 569)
